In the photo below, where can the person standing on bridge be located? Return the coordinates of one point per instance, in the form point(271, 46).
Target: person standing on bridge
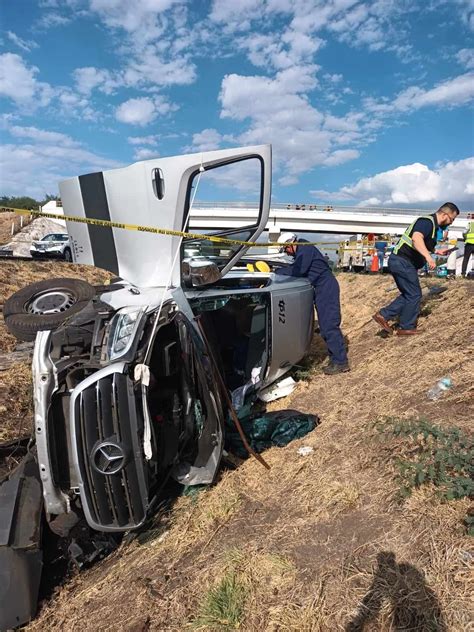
point(309, 262)
point(409, 255)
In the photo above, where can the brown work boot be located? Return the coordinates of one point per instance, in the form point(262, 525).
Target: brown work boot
point(407, 332)
point(380, 320)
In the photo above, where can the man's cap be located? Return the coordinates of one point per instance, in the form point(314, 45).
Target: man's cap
point(285, 238)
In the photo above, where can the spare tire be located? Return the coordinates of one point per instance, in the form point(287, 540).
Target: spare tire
point(45, 305)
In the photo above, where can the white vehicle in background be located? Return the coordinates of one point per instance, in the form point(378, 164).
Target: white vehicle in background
point(53, 245)
point(353, 255)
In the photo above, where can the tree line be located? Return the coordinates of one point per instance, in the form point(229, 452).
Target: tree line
point(25, 201)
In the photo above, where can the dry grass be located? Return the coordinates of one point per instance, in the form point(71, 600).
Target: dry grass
point(16, 402)
point(320, 543)
point(298, 617)
point(246, 580)
point(6, 221)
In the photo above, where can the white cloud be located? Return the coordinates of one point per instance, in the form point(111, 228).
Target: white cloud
point(36, 168)
point(139, 111)
point(446, 94)
point(69, 104)
point(279, 113)
point(149, 67)
point(466, 57)
point(21, 43)
point(238, 14)
point(335, 78)
point(456, 91)
point(206, 140)
point(280, 50)
point(18, 82)
point(467, 12)
point(155, 44)
point(259, 97)
point(412, 184)
point(154, 49)
point(143, 110)
point(42, 136)
point(374, 24)
point(143, 140)
point(88, 78)
point(340, 156)
point(58, 4)
point(52, 20)
point(130, 16)
point(347, 124)
point(147, 73)
point(351, 20)
point(144, 153)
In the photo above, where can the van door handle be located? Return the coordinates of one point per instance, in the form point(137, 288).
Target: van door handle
point(158, 183)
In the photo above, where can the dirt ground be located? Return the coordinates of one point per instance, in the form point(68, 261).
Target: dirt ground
point(318, 543)
point(6, 221)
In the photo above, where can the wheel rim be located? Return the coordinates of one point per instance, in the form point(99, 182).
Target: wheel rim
point(50, 302)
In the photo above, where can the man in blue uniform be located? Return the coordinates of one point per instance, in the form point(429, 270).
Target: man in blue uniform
point(309, 262)
point(413, 250)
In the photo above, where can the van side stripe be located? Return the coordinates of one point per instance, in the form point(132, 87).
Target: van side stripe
point(94, 198)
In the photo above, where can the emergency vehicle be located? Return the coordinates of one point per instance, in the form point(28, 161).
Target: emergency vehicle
point(356, 253)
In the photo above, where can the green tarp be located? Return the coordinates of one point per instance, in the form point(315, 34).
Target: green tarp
point(264, 430)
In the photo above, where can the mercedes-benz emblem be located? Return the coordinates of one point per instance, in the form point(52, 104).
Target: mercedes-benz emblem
point(108, 458)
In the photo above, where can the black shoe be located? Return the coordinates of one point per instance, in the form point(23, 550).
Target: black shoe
point(332, 368)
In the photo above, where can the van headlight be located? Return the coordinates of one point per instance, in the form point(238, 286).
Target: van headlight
point(122, 330)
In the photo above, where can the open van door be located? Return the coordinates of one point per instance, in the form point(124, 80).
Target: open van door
point(158, 193)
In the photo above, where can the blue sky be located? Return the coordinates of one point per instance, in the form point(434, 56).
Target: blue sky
point(365, 102)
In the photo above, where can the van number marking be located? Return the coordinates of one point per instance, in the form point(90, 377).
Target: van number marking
point(77, 249)
point(281, 311)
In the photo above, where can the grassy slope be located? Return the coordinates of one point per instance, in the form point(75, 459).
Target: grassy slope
point(6, 220)
point(298, 547)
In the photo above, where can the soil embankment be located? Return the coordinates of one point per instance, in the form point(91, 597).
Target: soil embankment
point(322, 542)
point(21, 241)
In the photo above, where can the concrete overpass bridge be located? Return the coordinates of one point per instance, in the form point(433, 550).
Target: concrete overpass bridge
point(314, 219)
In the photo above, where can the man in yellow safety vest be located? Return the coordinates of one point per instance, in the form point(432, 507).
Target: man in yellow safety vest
point(468, 244)
point(410, 254)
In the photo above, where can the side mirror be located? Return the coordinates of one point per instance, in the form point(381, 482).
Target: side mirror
point(199, 271)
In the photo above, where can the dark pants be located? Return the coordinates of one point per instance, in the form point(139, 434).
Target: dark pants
point(381, 257)
point(407, 305)
point(468, 251)
point(326, 301)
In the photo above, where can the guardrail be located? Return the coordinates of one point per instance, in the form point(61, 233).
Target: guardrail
point(328, 208)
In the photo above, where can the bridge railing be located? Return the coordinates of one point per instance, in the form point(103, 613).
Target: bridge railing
point(328, 208)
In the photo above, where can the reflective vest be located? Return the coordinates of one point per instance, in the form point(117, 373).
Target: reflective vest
point(406, 239)
point(469, 238)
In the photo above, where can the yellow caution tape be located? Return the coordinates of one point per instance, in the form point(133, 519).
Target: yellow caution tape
point(158, 231)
